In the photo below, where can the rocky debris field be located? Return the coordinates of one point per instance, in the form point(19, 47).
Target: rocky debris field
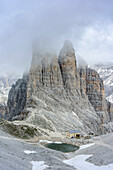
point(18, 154)
point(99, 154)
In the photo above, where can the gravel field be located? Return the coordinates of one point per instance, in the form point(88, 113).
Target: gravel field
point(17, 154)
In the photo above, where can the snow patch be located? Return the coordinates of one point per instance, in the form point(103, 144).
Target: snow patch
point(80, 163)
point(110, 98)
point(75, 114)
point(58, 142)
point(47, 141)
point(86, 146)
point(38, 165)
point(29, 152)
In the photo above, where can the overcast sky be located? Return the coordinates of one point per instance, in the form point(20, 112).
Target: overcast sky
point(87, 23)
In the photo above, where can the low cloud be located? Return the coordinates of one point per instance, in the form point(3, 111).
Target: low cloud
point(87, 24)
point(96, 43)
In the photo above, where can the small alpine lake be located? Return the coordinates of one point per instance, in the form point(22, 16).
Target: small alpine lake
point(63, 147)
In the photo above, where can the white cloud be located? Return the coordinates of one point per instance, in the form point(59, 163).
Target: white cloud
point(96, 43)
point(55, 21)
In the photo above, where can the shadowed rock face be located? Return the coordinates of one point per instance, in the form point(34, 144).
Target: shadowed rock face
point(17, 99)
point(58, 97)
point(110, 111)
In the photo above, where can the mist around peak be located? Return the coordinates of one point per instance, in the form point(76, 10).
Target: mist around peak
point(81, 62)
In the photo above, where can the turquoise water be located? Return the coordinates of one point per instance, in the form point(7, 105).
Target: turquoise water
point(62, 147)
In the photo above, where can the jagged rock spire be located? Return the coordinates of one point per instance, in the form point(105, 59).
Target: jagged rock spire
point(67, 62)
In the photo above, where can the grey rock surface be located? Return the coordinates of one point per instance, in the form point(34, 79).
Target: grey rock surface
point(13, 157)
point(102, 151)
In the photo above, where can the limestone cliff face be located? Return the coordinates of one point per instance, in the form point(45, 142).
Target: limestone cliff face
point(82, 75)
point(44, 72)
point(57, 96)
point(54, 100)
point(94, 89)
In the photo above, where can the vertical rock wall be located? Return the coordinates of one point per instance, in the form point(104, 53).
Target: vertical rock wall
point(110, 111)
point(93, 86)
